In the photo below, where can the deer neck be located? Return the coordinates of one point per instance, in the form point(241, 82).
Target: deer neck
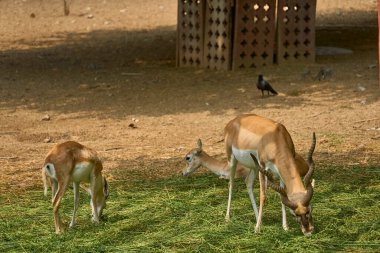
point(217, 167)
point(290, 176)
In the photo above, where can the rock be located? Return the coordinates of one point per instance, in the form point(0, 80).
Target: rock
point(46, 117)
point(372, 66)
point(133, 126)
point(47, 140)
point(83, 86)
point(324, 74)
point(361, 88)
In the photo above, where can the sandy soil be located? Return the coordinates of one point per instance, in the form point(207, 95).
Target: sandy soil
point(112, 63)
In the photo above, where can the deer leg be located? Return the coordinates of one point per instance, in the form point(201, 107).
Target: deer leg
point(283, 211)
point(54, 187)
point(62, 186)
point(94, 189)
point(262, 199)
point(249, 183)
point(76, 203)
point(232, 166)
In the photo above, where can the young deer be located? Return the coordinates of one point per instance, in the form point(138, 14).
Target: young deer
point(197, 157)
point(72, 162)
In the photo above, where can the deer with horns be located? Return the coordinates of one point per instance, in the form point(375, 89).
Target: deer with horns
point(270, 144)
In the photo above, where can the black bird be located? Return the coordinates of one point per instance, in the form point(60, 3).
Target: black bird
point(264, 85)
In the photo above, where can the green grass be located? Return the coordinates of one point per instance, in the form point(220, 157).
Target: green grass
point(187, 215)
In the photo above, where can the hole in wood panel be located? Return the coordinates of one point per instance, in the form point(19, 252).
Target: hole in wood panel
point(246, 6)
point(266, 31)
point(264, 55)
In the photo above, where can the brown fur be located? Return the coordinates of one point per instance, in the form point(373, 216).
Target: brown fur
point(60, 165)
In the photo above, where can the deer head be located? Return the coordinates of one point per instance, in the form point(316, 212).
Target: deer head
point(193, 159)
point(299, 204)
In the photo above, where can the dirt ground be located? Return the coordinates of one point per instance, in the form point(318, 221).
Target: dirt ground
point(111, 64)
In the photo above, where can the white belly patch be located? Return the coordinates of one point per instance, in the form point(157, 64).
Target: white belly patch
point(244, 157)
point(82, 172)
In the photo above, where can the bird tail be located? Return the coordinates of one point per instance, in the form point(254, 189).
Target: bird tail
point(272, 90)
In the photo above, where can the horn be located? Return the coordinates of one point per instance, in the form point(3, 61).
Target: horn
point(105, 187)
point(310, 162)
point(308, 196)
point(284, 197)
point(309, 174)
point(269, 175)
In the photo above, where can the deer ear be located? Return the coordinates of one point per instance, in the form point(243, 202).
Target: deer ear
point(199, 144)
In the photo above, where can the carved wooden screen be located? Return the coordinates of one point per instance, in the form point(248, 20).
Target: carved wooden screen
point(217, 42)
point(296, 30)
point(254, 34)
point(190, 33)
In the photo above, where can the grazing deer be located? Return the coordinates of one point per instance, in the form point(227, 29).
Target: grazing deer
point(197, 157)
point(72, 162)
point(270, 143)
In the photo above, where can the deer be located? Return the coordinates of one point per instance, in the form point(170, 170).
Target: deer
point(270, 144)
point(71, 162)
point(197, 158)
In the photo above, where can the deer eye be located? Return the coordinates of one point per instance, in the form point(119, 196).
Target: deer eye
point(188, 158)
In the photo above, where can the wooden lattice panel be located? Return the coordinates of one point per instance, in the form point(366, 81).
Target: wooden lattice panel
point(296, 30)
point(217, 43)
point(190, 33)
point(254, 34)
